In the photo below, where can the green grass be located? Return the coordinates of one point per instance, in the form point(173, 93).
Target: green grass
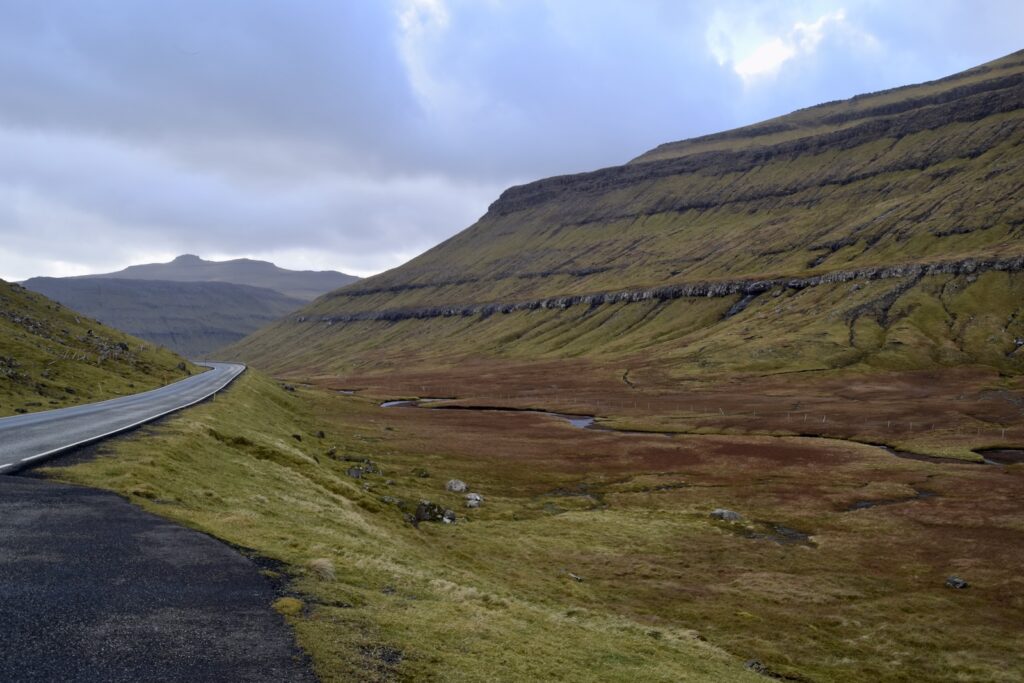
point(667, 594)
point(446, 597)
point(52, 357)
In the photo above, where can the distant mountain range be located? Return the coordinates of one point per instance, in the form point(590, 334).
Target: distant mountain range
point(300, 284)
point(190, 305)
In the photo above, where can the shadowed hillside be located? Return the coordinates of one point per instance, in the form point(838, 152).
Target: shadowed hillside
point(52, 357)
point(192, 318)
point(883, 230)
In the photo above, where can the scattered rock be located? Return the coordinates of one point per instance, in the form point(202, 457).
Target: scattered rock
point(421, 473)
point(355, 472)
point(726, 515)
point(288, 387)
point(575, 577)
point(332, 451)
point(297, 437)
point(1019, 342)
point(474, 500)
point(455, 485)
point(320, 434)
point(432, 512)
point(956, 582)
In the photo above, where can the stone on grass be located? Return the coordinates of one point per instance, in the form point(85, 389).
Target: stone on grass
point(455, 485)
point(956, 582)
point(474, 500)
point(432, 512)
point(726, 515)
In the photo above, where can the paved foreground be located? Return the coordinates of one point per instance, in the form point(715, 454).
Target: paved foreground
point(95, 589)
point(27, 439)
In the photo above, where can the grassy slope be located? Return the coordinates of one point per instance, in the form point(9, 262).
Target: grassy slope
point(483, 600)
point(491, 598)
point(52, 357)
point(927, 173)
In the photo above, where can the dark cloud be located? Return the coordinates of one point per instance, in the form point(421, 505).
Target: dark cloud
point(355, 134)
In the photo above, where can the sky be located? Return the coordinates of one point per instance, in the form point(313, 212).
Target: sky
point(354, 134)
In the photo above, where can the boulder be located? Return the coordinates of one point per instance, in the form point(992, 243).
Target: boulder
point(956, 582)
point(726, 515)
point(474, 500)
point(456, 486)
point(432, 512)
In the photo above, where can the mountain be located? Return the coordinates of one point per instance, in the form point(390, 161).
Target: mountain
point(883, 231)
point(52, 357)
point(192, 318)
point(299, 284)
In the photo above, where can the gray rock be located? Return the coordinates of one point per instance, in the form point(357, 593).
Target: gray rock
point(455, 485)
point(474, 500)
point(432, 512)
point(956, 582)
point(355, 472)
point(726, 515)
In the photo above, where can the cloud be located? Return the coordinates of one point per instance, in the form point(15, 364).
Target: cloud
point(755, 54)
point(354, 134)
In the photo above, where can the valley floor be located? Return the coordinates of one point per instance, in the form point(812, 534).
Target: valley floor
point(594, 555)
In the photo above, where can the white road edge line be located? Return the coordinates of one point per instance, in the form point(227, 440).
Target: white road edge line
point(125, 428)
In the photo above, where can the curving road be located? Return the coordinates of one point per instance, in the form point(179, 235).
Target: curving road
point(25, 439)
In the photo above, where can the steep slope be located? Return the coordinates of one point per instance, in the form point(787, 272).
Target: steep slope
point(300, 284)
point(52, 357)
point(191, 318)
point(885, 230)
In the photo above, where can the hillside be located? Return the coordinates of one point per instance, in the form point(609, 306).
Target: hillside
point(52, 356)
point(191, 318)
point(881, 231)
point(299, 284)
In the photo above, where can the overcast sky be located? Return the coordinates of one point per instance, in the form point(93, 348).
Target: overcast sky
point(354, 134)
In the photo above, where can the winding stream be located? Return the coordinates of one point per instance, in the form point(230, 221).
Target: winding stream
point(990, 456)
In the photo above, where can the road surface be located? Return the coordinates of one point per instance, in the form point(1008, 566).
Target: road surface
point(26, 439)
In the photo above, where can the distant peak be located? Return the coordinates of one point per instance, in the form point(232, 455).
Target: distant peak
point(187, 258)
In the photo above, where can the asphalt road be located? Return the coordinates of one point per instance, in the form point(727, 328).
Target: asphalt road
point(26, 439)
point(94, 589)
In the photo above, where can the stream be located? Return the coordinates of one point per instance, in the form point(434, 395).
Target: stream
point(990, 456)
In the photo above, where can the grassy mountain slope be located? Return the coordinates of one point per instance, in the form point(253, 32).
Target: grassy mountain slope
point(300, 284)
point(52, 357)
point(192, 318)
point(886, 230)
